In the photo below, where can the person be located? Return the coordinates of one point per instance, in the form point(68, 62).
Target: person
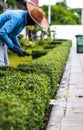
point(12, 23)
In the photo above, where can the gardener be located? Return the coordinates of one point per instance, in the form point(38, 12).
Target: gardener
point(12, 23)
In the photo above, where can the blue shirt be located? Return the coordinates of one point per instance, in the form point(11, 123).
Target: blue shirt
point(12, 23)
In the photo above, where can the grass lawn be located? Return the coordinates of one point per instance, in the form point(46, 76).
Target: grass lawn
point(14, 60)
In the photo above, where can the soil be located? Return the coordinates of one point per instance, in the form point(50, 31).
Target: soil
point(47, 116)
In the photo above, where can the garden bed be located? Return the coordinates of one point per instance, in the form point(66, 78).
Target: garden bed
point(25, 91)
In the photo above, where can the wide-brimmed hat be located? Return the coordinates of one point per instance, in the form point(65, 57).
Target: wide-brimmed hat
point(37, 14)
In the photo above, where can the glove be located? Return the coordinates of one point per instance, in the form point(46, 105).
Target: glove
point(25, 53)
point(18, 51)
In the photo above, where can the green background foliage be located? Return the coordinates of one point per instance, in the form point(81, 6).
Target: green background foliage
point(61, 14)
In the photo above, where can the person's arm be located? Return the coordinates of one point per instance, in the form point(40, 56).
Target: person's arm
point(8, 28)
point(15, 40)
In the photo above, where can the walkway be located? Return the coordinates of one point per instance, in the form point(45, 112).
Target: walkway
point(67, 112)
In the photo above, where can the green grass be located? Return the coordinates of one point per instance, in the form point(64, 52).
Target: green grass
point(14, 60)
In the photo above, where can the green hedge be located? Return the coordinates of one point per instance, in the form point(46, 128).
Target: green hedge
point(52, 64)
point(23, 99)
point(37, 53)
point(50, 46)
point(25, 91)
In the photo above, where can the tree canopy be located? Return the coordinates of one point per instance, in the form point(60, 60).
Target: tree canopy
point(61, 14)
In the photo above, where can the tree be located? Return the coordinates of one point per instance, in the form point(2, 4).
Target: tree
point(61, 14)
point(11, 2)
point(21, 4)
point(1, 8)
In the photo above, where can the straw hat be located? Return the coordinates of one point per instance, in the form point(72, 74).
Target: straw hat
point(37, 14)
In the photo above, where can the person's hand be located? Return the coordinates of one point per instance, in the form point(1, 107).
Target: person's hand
point(25, 53)
point(18, 51)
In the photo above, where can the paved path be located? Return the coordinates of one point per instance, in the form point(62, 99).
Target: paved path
point(67, 112)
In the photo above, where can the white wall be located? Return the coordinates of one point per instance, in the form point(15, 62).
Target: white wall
point(67, 31)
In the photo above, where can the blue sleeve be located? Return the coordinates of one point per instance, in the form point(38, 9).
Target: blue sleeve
point(15, 40)
point(8, 28)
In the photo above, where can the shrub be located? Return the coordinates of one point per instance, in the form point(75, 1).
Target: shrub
point(20, 36)
point(23, 99)
point(56, 42)
point(25, 91)
point(43, 42)
point(50, 46)
point(52, 64)
point(37, 53)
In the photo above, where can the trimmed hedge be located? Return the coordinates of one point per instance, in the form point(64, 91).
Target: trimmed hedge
point(52, 64)
point(37, 53)
point(23, 99)
point(50, 46)
point(25, 91)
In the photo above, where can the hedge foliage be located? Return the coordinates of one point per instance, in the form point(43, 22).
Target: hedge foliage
point(23, 99)
point(25, 91)
point(52, 64)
